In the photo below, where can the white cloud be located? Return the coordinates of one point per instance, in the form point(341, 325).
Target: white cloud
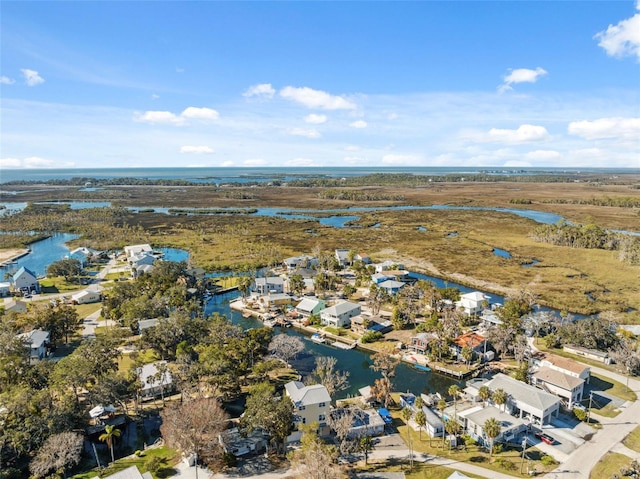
point(352, 148)
point(316, 98)
point(358, 124)
point(159, 117)
point(196, 149)
point(301, 162)
point(623, 39)
point(10, 163)
point(155, 96)
point(262, 90)
point(616, 127)
point(542, 155)
point(31, 77)
point(395, 159)
point(524, 134)
point(227, 164)
point(315, 119)
point(521, 75)
point(353, 160)
point(4, 80)
point(33, 162)
point(200, 113)
point(307, 133)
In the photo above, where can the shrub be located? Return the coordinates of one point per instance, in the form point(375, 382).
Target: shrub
point(154, 464)
point(580, 414)
point(138, 453)
point(548, 460)
point(497, 449)
point(371, 337)
point(505, 464)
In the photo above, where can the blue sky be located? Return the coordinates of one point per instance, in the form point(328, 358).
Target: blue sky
point(203, 83)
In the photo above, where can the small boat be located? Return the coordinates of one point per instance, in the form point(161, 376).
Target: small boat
point(420, 367)
point(316, 338)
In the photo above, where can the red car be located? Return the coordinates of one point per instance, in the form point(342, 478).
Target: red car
point(545, 438)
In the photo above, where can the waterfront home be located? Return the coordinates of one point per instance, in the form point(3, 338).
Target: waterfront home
point(139, 259)
point(472, 303)
point(297, 262)
point(387, 265)
point(233, 442)
point(14, 306)
point(82, 254)
point(489, 319)
point(366, 396)
point(38, 343)
point(310, 404)
point(377, 278)
point(365, 423)
point(596, 355)
point(342, 255)
point(473, 419)
point(273, 301)
point(25, 279)
point(420, 342)
point(408, 400)
point(272, 284)
point(434, 424)
point(564, 365)
point(130, 472)
point(87, 296)
point(339, 315)
point(155, 379)
point(197, 273)
point(310, 306)
point(569, 388)
point(526, 401)
point(471, 340)
point(132, 250)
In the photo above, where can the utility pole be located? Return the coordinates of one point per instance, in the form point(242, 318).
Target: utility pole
point(589, 410)
point(524, 447)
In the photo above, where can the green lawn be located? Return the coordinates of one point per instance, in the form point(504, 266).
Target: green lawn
point(632, 441)
point(609, 465)
point(611, 386)
point(85, 310)
point(419, 471)
point(169, 456)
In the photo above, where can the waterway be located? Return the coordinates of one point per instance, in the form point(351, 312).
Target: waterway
point(355, 361)
point(43, 253)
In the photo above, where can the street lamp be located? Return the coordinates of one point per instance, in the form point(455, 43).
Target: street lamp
point(524, 447)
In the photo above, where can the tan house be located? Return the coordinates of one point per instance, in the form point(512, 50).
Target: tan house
point(310, 404)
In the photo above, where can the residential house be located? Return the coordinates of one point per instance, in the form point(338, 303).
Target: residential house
point(342, 255)
point(564, 365)
point(139, 259)
point(5, 289)
point(362, 257)
point(526, 401)
point(392, 287)
point(38, 342)
point(132, 250)
point(339, 315)
point(295, 263)
point(274, 301)
point(25, 279)
point(310, 306)
point(596, 355)
point(569, 388)
point(489, 319)
point(408, 400)
point(365, 422)
point(155, 379)
point(82, 254)
point(147, 324)
point(472, 303)
point(272, 284)
point(130, 472)
point(434, 424)
point(420, 342)
point(143, 269)
point(473, 419)
point(86, 296)
point(197, 273)
point(387, 265)
point(310, 404)
point(366, 396)
point(15, 306)
point(471, 340)
point(365, 323)
point(377, 278)
point(232, 441)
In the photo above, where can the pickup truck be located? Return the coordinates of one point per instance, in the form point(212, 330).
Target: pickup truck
point(545, 437)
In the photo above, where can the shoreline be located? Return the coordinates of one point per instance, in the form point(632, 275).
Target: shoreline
point(8, 256)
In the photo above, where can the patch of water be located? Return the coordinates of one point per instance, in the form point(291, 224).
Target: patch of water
point(502, 253)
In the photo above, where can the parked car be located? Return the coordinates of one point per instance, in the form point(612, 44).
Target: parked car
point(545, 438)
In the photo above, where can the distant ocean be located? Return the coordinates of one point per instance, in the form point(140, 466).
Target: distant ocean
point(222, 175)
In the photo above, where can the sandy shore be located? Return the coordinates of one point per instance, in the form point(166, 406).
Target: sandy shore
point(11, 254)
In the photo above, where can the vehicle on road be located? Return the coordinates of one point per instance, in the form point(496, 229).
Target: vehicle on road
point(545, 438)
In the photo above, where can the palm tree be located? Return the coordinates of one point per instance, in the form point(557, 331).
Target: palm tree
point(110, 432)
point(492, 429)
point(454, 390)
point(467, 355)
point(485, 394)
point(500, 397)
point(406, 415)
point(452, 427)
point(421, 420)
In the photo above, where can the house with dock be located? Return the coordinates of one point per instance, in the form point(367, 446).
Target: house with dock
point(271, 284)
point(310, 306)
point(472, 303)
point(339, 315)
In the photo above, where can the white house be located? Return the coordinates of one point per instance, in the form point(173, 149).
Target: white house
point(387, 265)
point(526, 401)
point(564, 365)
point(5, 289)
point(38, 342)
point(25, 278)
point(365, 422)
point(472, 303)
point(473, 420)
point(132, 250)
point(87, 296)
point(378, 278)
point(569, 388)
point(342, 255)
point(310, 404)
point(297, 262)
point(155, 379)
point(272, 284)
point(433, 424)
point(310, 306)
point(340, 315)
point(139, 259)
point(392, 287)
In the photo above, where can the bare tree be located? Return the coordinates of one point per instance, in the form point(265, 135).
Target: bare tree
point(285, 347)
point(626, 355)
point(325, 373)
point(58, 453)
point(194, 426)
point(315, 459)
point(341, 420)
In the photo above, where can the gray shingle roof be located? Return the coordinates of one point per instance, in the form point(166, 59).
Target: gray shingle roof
point(523, 392)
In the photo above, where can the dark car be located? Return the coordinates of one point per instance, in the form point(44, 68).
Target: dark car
point(545, 437)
